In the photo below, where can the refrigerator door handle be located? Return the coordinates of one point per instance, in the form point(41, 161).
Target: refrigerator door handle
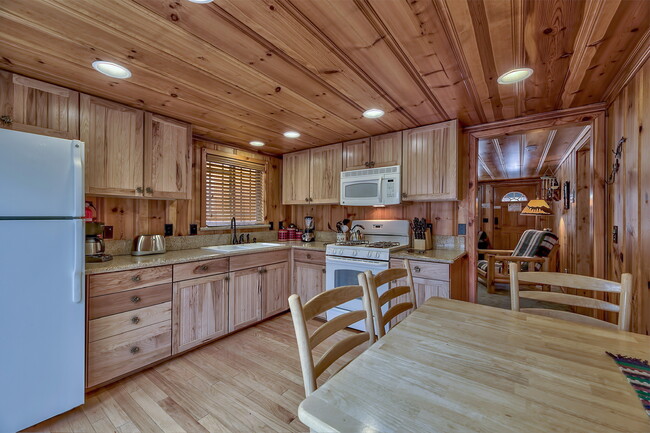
point(78, 157)
point(80, 261)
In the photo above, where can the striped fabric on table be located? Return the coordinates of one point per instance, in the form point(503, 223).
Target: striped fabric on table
point(637, 372)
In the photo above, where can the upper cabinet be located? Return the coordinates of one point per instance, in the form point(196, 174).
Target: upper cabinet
point(325, 174)
point(312, 176)
point(295, 177)
point(40, 108)
point(378, 151)
point(114, 137)
point(167, 158)
point(430, 162)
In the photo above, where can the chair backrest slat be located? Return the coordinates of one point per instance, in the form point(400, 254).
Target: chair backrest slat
point(578, 282)
point(371, 283)
point(318, 304)
point(573, 300)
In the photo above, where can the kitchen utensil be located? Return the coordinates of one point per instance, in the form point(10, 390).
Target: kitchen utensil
point(148, 244)
point(94, 245)
point(308, 234)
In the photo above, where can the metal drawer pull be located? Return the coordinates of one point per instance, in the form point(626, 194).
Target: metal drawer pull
point(135, 278)
point(204, 267)
point(135, 349)
point(149, 190)
point(417, 269)
point(139, 190)
point(309, 256)
point(135, 299)
point(135, 320)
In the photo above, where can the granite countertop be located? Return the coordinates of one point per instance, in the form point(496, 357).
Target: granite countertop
point(126, 262)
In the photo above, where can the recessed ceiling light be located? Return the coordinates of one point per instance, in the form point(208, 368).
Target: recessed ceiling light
point(373, 113)
point(256, 143)
point(515, 76)
point(292, 134)
point(201, 1)
point(111, 69)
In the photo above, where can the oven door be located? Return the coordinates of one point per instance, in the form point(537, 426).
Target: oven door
point(341, 271)
point(361, 191)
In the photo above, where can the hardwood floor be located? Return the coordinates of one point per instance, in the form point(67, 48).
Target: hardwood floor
point(247, 382)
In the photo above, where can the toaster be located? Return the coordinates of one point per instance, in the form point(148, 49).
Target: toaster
point(148, 244)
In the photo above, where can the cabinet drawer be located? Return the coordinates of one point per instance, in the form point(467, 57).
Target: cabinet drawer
point(245, 261)
point(308, 256)
point(120, 354)
point(109, 326)
point(114, 282)
point(203, 268)
point(422, 269)
point(107, 305)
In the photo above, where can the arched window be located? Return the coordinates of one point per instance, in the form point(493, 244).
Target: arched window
point(515, 196)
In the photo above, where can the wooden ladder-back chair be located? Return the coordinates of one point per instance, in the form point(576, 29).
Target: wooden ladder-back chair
point(404, 295)
point(306, 343)
point(571, 281)
point(536, 250)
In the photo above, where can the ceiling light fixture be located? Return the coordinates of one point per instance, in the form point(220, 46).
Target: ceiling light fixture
point(201, 1)
point(256, 143)
point(515, 75)
point(373, 113)
point(292, 134)
point(111, 69)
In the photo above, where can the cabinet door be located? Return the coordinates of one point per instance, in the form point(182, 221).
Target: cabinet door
point(40, 108)
point(275, 289)
point(325, 174)
point(114, 138)
point(386, 149)
point(167, 158)
point(430, 163)
point(424, 289)
point(295, 178)
point(356, 154)
point(308, 281)
point(244, 300)
point(200, 311)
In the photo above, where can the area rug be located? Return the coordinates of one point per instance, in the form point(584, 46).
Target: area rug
point(637, 372)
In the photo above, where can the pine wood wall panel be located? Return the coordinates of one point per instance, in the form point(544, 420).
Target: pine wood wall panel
point(628, 197)
point(250, 70)
point(132, 217)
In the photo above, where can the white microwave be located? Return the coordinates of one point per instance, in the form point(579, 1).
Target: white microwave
point(371, 187)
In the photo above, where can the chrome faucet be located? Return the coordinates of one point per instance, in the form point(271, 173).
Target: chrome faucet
point(233, 231)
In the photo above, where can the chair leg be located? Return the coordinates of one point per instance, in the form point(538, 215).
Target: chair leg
point(490, 275)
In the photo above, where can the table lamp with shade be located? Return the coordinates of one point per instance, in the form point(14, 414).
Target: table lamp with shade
point(538, 207)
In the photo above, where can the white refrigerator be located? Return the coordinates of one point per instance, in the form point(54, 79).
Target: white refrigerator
point(42, 300)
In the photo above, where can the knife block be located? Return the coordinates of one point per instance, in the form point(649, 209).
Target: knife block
point(428, 239)
point(419, 244)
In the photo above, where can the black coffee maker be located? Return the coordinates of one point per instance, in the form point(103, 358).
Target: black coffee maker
point(309, 234)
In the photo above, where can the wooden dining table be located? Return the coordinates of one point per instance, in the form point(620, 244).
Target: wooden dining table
point(453, 366)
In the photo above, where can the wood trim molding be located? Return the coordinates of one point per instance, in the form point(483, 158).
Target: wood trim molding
point(492, 129)
point(485, 167)
point(637, 59)
point(547, 147)
point(497, 149)
point(577, 143)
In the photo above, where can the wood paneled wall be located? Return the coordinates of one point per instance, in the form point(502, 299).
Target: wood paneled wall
point(629, 196)
point(131, 217)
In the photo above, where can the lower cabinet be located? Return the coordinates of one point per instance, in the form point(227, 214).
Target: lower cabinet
point(244, 301)
point(309, 278)
point(200, 312)
point(275, 289)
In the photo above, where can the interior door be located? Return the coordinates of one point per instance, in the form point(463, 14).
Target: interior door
point(509, 224)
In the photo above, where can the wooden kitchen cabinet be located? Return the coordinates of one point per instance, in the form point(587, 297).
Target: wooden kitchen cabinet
point(295, 177)
point(308, 281)
point(430, 162)
point(325, 174)
point(167, 158)
point(312, 176)
point(378, 151)
point(200, 311)
point(114, 138)
point(244, 298)
point(356, 154)
point(275, 289)
point(34, 106)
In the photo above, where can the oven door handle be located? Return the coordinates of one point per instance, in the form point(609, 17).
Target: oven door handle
point(330, 259)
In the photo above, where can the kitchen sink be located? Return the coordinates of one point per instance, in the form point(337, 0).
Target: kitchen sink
point(241, 247)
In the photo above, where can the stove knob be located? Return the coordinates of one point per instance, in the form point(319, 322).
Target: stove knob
point(354, 253)
point(377, 254)
point(369, 254)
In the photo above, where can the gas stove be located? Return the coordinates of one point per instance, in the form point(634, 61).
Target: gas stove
point(381, 238)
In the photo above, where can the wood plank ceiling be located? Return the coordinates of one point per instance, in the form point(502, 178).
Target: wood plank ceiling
point(242, 70)
point(530, 154)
